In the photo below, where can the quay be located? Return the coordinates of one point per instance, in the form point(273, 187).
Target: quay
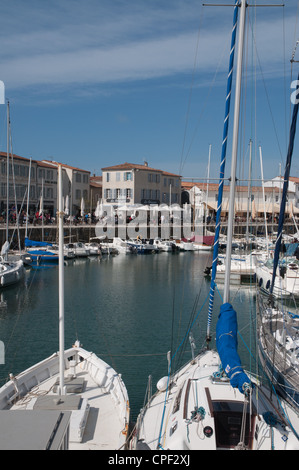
point(84, 232)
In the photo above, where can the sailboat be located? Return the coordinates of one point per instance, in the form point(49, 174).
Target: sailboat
point(278, 324)
point(71, 400)
point(11, 271)
point(211, 403)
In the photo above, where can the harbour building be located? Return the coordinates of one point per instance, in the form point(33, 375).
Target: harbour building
point(130, 183)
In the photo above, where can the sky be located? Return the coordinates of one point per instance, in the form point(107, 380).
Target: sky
point(96, 83)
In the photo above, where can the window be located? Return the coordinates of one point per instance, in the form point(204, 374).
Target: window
point(41, 173)
point(117, 176)
point(118, 193)
point(128, 176)
point(107, 177)
point(129, 193)
point(78, 177)
point(85, 179)
point(85, 193)
point(108, 193)
point(78, 194)
point(150, 177)
point(49, 193)
point(49, 175)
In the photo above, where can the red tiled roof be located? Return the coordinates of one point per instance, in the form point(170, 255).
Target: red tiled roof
point(64, 165)
point(214, 187)
point(135, 166)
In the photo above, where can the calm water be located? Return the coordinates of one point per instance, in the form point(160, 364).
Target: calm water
point(130, 310)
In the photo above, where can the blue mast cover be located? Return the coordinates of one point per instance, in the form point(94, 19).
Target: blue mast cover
point(227, 346)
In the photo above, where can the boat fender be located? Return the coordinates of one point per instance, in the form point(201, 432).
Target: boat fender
point(162, 384)
point(2, 280)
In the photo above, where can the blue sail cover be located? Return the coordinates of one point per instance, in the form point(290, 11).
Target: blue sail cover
point(227, 346)
point(29, 243)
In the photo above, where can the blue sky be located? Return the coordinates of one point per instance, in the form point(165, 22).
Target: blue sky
point(99, 82)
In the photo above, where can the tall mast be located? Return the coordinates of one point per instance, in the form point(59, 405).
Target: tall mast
point(222, 169)
point(264, 199)
point(249, 191)
point(61, 285)
point(28, 196)
point(7, 174)
point(207, 192)
point(234, 152)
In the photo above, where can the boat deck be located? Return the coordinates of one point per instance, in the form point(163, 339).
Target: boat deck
point(103, 429)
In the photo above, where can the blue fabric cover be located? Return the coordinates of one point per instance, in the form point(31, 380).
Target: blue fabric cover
point(34, 243)
point(227, 346)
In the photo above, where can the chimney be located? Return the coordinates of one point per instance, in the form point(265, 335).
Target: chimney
point(145, 163)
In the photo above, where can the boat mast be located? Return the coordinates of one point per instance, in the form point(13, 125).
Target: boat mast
point(207, 192)
point(222, 171)
point(61, 285)
point(284, 191)
point(248, 192)
point(28, 196)
point(7, 174)
point(264, 199)
point(234, 152)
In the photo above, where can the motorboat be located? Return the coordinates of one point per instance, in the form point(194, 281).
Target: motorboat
point(94, 248)
point(79, 248)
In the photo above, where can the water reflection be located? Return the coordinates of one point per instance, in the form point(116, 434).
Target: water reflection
point(129, 309)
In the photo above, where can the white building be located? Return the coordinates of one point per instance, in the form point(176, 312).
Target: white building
point(130, 183)
point(76, 185)
point(203, 196)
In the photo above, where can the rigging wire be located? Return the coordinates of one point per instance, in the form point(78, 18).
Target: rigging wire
point(190, 92)
point(207, 95)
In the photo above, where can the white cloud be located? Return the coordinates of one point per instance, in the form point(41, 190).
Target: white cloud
point(71, 45)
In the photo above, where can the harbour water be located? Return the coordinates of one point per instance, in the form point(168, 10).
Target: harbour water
point(129, 310)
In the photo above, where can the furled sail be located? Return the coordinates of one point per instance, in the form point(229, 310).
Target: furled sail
point(227, 346)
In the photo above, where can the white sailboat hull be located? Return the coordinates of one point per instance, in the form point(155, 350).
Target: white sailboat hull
point(284, 286)
point(201, 411)
point(99, 420)
point(11, 272)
